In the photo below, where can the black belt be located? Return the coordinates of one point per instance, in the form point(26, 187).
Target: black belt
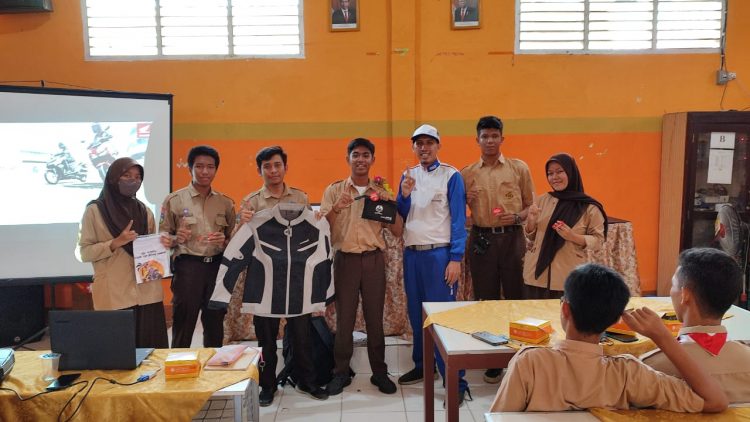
point(365, 253)
point(495, 230)
point(428, 247)
point(204, 259)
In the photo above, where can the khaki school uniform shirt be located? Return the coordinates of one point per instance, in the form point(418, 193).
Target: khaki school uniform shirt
point(203, 215)
point(590, 225)
point(263, 199)
point(731, 367)
point(575, 375)
point(505, 183)
point(350, 232)
point(114, 284)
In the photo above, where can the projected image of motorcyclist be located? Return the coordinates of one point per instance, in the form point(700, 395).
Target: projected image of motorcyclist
point(65, 157)
point(99, 153)
point(63, 166)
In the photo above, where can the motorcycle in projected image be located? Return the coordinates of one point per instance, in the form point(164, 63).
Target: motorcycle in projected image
point(99, 153)
point(62, 166)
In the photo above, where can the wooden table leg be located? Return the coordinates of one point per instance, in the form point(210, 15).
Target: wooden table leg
point(428, 369)
point(451, 390)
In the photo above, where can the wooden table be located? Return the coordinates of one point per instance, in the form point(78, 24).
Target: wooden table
point(461, 351)
point(155, 399)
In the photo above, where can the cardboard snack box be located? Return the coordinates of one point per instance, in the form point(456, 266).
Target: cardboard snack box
point(530, 330)
point(182, 365)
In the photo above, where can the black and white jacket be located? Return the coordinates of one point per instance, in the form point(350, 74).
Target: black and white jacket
point(288, 262)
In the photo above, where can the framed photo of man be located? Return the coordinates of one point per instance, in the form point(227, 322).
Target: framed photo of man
point(464, 14)
point(344, 15)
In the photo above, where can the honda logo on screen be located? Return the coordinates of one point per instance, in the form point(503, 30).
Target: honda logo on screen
point(143, 130)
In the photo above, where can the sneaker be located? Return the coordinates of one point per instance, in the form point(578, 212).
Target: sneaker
point(384, 384)
point(412, 377)
point(462, 398)
point(337, 384)
point(265, 398)
point(493, 376)
point(316, 393)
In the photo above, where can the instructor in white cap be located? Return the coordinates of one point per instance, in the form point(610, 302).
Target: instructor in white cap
point(432, 201)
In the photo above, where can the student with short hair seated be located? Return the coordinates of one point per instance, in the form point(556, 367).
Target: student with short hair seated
point(575, 374)
point(704, 286)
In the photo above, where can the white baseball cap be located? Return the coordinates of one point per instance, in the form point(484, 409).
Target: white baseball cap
point(427, 130)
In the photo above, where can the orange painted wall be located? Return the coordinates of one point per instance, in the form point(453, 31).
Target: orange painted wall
point(406, 66)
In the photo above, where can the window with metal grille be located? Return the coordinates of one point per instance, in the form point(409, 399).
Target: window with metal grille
point(195, 29)
point(619, 26)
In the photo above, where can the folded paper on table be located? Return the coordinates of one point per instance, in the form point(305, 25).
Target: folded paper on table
point(241, 364)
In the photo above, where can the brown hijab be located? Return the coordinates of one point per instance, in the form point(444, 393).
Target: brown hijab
point(117, 209)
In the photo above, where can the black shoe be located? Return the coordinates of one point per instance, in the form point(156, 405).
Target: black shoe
point(412, 377)
point(337, 384)
point(462, 397)
point(385, 385)
point(316, 393)
point(493, 376)
point(265, 398)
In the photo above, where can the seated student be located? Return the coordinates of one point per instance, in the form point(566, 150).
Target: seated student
point(575, 374)
point(706, 283)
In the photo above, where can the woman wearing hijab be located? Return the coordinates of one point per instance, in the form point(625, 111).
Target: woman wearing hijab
point(563, 225)
point(109, 226)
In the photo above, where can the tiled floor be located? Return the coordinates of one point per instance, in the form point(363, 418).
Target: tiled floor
point(361, 401)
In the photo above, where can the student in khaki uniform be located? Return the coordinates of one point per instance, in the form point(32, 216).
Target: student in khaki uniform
point(563, 226)
point(272, 166)
point(499, 191)
point(109, 226)
point(575, 374)
point(704, 286)
point(359, 265)
point(197, 221)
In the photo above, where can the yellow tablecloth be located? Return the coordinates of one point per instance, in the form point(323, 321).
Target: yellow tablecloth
point(652, 415)
point(154, 400)
point(495, 316)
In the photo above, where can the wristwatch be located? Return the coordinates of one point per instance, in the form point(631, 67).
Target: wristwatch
point(516, 219)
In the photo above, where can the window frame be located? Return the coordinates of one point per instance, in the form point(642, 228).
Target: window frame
point(586, 51)
point(201, 57)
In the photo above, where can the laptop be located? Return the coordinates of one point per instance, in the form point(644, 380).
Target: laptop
point(95, 339)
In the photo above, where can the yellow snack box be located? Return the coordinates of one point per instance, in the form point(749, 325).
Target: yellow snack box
point(182, 365)
point(671, 322)
point(530, 330)
point(620, 327)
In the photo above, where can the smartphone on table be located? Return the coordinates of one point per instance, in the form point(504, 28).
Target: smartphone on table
point(62, 382)
point(489, 338)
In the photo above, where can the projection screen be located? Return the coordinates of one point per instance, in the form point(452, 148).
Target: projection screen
point(58, 145)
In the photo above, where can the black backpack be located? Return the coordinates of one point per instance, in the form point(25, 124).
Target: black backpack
point(322, 354)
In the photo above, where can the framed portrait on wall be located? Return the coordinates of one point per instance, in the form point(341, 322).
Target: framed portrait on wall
point(344, 15)
point(464, 14)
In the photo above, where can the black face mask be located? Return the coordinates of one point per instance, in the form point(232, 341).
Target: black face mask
point(128, 187)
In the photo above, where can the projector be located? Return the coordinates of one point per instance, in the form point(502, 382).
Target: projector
point(6, 362)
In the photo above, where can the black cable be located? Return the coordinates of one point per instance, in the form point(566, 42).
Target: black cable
point(85, 383)
point(30, 397)
point(44, 83)
point(723, 45)
point(21, 82)
point(723, 65)
point(68, 85)
point(723, 92)
point(91, 387)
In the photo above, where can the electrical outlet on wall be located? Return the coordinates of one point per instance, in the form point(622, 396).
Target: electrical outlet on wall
point(723, 77)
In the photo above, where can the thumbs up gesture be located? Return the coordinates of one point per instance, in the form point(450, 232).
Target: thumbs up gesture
point(126, 236)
